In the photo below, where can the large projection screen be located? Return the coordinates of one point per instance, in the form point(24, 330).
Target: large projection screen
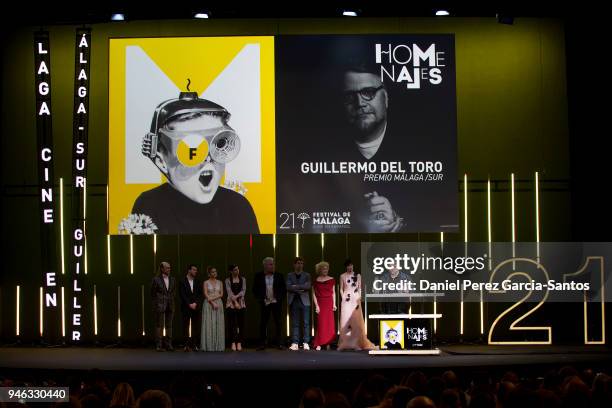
point(233, 81)
point(366, 133)
point(286, 134)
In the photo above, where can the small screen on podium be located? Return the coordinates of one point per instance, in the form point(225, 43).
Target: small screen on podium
point(392, 334)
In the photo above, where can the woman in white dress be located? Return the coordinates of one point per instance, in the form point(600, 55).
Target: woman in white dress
point(352, 325)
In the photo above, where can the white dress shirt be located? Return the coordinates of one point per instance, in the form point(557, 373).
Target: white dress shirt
point(270, 289)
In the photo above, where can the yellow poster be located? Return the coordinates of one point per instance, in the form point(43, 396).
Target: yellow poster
point(191, 135)
point(392, 334)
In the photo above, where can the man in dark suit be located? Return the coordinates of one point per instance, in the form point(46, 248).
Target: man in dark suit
point(270, 290)
point(190, 291)
point(298, 303)
point(163, 289)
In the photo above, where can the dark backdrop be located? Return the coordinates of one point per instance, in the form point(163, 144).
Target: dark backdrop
point(512, 114)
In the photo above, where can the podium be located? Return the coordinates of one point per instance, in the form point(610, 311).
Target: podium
point(416, 328)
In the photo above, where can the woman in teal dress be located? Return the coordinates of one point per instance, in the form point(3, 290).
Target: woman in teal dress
point(213, 322)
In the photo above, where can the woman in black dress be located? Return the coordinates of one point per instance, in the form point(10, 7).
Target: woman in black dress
point(235, 286)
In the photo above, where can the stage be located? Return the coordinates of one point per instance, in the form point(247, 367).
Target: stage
point(141, 359)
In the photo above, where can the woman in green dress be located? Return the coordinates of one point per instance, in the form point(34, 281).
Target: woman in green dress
point(213, 322)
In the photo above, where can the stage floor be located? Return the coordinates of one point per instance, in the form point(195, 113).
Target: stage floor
point(134, 359)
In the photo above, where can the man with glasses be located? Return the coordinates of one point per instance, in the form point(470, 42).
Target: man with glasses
point(366, 102)
point(365, 106)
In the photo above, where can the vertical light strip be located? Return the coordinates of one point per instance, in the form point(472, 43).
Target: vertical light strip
point(131, 254)
point(435, 310)
point(84, 200)
point(297, 244)
point(366, 318)
point(338, 302)
point(312, 332)
point(108, 254)
point(465, 209)
point(154, 244)
point(481, 313)
point(489, 224)
point(513, 220)
point(273, 245)
point(85, 245)
point(17, 327)
point(142, 308)
point(465, 239)
point(489, 241)
point(297, 253)
point(41, 314)
point(435, 303)
point(322, 246)
point(62, 256)
point(119, 311)
point(537, 214)
point(63, 314)
point(461, 316)
point(603, 311)
point(513, 214)
point(489, 231)
point(585, 320)
point(95, 305)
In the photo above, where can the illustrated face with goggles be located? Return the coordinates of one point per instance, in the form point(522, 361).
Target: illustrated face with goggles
point(192, 151)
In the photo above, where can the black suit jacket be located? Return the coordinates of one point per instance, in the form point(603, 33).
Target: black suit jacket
point(162, 299)
point(188, 296)
point(278, 284)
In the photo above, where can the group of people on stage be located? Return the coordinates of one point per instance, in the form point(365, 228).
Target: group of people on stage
point(203, 308)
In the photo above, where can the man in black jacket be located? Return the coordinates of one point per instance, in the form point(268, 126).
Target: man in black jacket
point(163, 289)
point(190, 291)
point(270, 291)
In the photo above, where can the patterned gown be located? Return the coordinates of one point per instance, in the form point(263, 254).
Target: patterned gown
point(213, 322)
point(352, 325)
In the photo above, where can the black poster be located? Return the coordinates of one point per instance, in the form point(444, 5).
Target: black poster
point(418, 334)
point(366, 134)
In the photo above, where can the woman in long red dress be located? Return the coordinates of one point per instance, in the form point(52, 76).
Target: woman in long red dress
point(324, 296)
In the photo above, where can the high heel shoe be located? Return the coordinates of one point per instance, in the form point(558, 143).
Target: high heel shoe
point(239, 347)
point(233, 346)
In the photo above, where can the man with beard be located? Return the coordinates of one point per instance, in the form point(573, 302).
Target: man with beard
point(365, 102)
point(190, 142)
